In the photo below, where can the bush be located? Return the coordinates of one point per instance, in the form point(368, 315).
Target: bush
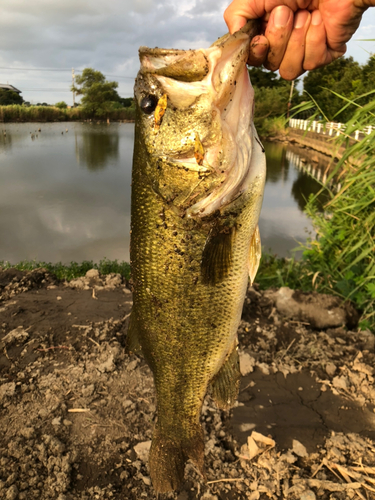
point(61, 105)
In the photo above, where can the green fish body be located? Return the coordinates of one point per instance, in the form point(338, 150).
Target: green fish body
point(197, 188)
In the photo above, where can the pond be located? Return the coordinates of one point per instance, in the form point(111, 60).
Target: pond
point(65, 193)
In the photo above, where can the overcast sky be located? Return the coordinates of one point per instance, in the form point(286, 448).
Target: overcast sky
point(105, 35)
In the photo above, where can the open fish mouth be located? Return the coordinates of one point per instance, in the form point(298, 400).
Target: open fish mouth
point(215, 84)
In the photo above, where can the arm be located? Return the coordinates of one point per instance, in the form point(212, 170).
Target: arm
point(299, 35)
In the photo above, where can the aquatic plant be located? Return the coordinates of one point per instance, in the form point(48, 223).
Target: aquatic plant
point(18, 113)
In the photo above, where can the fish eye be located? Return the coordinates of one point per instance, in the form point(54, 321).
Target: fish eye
point(148, 104)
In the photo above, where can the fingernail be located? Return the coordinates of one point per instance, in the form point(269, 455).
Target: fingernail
point(281, 16)
point(316, 18)
point(300, 19)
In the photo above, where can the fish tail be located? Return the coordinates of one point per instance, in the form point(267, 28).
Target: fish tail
point(168, 457)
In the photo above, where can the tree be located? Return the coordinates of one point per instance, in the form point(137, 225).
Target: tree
point(262, 78)
point(8, 97)
point(367, 80)
point(344, 77)
point(99, 96)
point(127, 102)
point(61, 105)
point(271, 96)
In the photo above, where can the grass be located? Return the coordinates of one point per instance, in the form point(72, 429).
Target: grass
point(73, 270)
point(341, 260)
point(18, 113)
point(272, 127)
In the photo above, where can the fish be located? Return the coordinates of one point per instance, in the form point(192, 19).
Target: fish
point(197, 188)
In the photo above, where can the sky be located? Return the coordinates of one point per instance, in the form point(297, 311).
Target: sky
point(42, 40)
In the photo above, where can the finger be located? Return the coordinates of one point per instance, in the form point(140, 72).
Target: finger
point(316, 51)
point(258, 51)
point(278, 31)
point(237, 14)
point(292, 64)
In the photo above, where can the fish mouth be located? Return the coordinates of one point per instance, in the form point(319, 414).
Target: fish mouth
point(217, 77)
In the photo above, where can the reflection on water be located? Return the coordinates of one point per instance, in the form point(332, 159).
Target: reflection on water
point(277, 165)
point(283, 225)
point(97, 146)
point(54, 210)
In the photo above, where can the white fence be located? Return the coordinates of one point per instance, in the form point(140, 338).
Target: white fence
point(320, 174)
point(329, 128)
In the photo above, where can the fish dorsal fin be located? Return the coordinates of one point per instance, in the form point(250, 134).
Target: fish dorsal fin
point(255, 254)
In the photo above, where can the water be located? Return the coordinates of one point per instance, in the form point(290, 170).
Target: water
point(65, 196)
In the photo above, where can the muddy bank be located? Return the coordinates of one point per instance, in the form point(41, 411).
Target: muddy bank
point(77, 412)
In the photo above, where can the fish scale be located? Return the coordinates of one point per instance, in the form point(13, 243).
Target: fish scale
point(189, 272)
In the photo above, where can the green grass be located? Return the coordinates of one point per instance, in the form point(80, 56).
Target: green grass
point(341, 259)
point(18, 113)
point(271, 127)
point(73, 270)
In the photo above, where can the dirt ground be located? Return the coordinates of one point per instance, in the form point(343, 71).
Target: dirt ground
point(77, 412)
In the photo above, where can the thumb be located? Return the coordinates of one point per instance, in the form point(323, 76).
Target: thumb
point(237, 14)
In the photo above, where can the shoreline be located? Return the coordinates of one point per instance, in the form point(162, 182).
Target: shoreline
point(43, 114)
point(78, 120)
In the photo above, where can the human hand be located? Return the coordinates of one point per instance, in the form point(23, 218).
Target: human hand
point(299, 35)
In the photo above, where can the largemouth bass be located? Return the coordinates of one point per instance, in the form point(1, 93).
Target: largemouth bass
point(197, 189)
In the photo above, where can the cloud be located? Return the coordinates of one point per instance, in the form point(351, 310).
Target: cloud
point(106, 35)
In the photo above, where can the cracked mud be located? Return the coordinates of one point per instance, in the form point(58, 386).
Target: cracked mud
point(77, 412)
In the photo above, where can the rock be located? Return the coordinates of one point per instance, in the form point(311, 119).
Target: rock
point(92, 273)
point(132, 365)
point(146, 480)
point(16, 335)
point(321, 311)
point(264, 368)
point(108, 365)
point(27, 432)
point(113, 280)
point(209, 496)
point(79, 284)
point(368, 339)
point(340, 383)
point(7, 390)
point(247, 363)
point(12, 493)
point(330, 369)
point(308, 495)
point(142, 450)
point(299, 449)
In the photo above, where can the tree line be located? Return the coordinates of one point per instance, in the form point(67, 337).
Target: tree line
point(344, 78)
point(99, 96)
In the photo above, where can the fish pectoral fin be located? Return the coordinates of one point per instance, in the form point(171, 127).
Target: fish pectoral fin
point(226, 383)
point(255, 254)
point(168, 457)
point(132, 342)
point(217, 256)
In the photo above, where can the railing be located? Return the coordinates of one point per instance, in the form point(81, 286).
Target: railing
point(328, 128)
point(313, 169)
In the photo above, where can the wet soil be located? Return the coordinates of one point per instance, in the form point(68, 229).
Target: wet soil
point(77, 412)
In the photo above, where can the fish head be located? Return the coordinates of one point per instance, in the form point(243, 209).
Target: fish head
point(194, 120)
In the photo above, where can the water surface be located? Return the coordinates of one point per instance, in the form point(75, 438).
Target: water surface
point(65, 193)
